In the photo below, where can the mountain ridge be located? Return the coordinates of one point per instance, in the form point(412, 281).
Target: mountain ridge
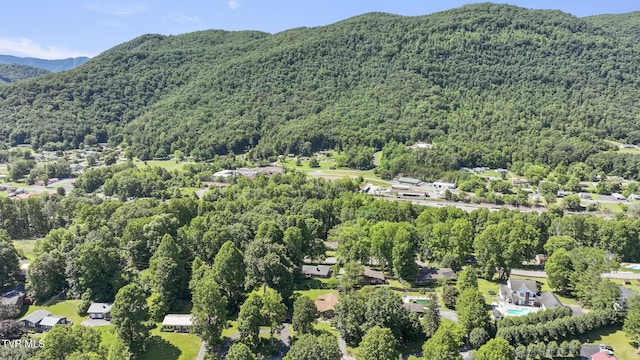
point(46, 64)
point(490, 84)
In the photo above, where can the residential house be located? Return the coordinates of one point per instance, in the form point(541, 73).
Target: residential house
point(178, 322)
point(596, 352)
point(14, 297)
point(326, 304)
point(414, 307)
point(100, 311)
point(625, 294)
point(548, 300)
point(372, 276)
point(32, 321)
point(520, 181)
point(48, 322)
point(540, 259)
point(520, 292)
point(430, 275)
point(316, 271)
point(603, 356)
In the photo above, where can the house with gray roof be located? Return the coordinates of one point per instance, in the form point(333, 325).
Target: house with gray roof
point(372, 276)
point(548, 300)
point(32, 321)
point(520, 292)
point(100, 311)
point(316, 271)
point(48, 322)
point(625, 294)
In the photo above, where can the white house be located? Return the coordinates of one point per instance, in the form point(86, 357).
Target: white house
point(520, 292)
point(100, 311)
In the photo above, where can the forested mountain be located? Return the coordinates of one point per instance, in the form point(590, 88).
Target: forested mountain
point(12, 72)
point(619, 24)
point(487, 84)
point(45, 64)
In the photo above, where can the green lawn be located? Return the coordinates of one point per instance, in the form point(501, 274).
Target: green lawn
point(325, 326)
point(313, 293)
point(25, 246)
point(325, 171)
point(162, 345)
point(614, 337)
point(66, 308)
point(166, 164)
point(107, 336)
point(172, 346)
point(231, 329)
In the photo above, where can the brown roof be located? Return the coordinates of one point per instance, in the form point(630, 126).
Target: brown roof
point(326, 302)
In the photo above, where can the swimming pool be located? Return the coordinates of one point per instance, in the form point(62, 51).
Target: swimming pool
point(518, 312)
point(634, 267)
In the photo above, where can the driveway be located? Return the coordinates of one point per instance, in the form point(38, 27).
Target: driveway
point(95, 322)
point(343, 348)
point(449, 315)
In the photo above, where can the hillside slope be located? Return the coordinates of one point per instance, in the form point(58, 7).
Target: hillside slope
point(11, 72)
point(489, 84)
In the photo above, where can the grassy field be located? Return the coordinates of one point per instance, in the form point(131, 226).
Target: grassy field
point(25, 246)
point(324, 326)
point(172, 346)
point(313, 293)
point(325, 171)
point(162, 345)
point(614, 337)
point(66, 308)
point(621, 150)
point(166, 164)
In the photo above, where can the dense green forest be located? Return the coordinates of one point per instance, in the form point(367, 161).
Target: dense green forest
point(12, 72)
point(487, 84)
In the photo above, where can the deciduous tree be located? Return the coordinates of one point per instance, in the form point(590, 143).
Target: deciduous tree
point(495, 349)
point(378, 344)
point(312, 347)
point(304, 315)
point(130, 314)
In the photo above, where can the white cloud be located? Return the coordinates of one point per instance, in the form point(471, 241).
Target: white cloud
point(184, 19)
point(119, 12)
point(233, 4)
point(29, 48)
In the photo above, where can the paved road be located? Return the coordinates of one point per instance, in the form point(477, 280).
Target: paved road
point(622, 275)
point(529, 273)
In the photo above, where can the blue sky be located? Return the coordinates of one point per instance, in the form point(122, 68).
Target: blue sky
point(59, 29)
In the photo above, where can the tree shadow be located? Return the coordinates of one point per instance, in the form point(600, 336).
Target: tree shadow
point(309, 284)
point(159, 348)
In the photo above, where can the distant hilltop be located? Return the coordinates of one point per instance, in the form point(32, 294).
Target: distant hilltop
point(49, 65)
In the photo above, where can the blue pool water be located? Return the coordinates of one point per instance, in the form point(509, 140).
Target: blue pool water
point(518, 312)
point(634, 267)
